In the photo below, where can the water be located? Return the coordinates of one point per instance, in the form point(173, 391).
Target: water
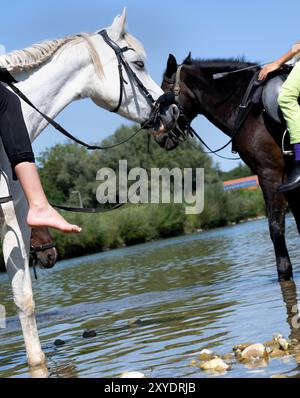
point(208, 290)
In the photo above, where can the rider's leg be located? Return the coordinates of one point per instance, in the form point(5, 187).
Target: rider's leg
point(288, 102)
point(19, 151)
point(41, 213)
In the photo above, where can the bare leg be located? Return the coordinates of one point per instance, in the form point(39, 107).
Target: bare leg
point(41, 213)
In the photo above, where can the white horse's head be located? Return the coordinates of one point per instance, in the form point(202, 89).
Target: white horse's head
point(56, 72)
point(135, 105)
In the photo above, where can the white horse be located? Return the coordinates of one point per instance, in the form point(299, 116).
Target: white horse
point(52, 75)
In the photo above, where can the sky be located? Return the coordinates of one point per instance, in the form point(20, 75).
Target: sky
point(258, 30)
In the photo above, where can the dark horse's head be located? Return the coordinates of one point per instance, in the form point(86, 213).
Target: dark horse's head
point(176, 90)
point(42, 248)
point(195, 91)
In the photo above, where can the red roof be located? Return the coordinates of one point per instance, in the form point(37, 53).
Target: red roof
point(242, 183)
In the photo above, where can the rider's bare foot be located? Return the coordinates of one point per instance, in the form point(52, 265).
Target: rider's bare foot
point(46, 216)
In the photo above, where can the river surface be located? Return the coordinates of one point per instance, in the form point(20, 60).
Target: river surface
point(209, 290)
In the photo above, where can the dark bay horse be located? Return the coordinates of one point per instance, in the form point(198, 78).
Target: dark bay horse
point(258, 141)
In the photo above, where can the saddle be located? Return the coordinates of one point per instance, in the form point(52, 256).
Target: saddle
point(270, 92)
point(264, 95)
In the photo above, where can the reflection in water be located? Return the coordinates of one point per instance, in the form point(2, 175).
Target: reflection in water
point(155, 306)
point(289, 294)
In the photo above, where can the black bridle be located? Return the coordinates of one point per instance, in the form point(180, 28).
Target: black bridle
point(33, 252)
point(182, 134)
point(122, 63)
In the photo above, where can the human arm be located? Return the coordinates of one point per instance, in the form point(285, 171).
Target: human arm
point(273, 66)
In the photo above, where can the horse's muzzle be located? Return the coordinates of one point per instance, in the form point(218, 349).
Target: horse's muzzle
point(167, 141)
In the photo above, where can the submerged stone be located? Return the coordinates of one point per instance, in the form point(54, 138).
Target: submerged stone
point(88, 334)
point(194, 363)
point(59, 343)
point(228, 357)
point(277, 353)
point(135, 322)
point(206, 355)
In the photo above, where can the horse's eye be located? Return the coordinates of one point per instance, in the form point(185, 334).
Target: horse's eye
point(140, 64)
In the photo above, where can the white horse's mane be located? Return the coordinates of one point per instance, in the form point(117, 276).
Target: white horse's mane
point(34, 56)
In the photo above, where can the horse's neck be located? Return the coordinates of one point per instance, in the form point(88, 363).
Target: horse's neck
point(54, 85)
point(225, 104)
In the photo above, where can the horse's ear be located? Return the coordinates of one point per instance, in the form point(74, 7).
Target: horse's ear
point(171, 66)
point(188, 59)
point(118, 27)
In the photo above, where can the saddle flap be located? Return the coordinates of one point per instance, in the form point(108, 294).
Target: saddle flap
point(270, 95)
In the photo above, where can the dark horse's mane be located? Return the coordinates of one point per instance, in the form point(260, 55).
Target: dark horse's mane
point(227, 64)
point(236, 81)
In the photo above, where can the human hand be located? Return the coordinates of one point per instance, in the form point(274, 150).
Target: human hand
point(268, 69)
point(296, 48)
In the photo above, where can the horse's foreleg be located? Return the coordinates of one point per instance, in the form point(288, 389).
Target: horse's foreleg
point(276, 205)
point(16, 240)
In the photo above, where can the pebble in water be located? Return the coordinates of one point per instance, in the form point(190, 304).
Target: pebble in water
point(206, 355)
point(135, 322)
point(254, 351)
point(88, 334)
point(59, 343)
point(241, 347)
point(284, 344)
point(216, 365)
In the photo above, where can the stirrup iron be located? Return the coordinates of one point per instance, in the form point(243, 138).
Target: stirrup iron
point(286, 152)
